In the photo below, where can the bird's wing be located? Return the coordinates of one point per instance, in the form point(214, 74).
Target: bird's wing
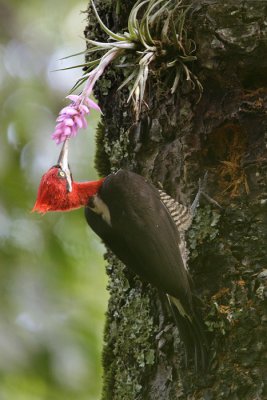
point(142, 233)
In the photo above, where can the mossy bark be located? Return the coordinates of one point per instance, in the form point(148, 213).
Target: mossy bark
point(175, 141)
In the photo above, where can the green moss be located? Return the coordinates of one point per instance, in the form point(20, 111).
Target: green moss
point(130, 343)
point(104, 85)
point(110, 153)
point(102, 162)
point(204, 228)
point(106, 81)
point(119, 150)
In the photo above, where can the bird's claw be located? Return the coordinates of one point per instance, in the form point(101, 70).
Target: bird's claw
point(202, 183)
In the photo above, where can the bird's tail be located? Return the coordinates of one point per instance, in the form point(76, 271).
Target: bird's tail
point(192, 332)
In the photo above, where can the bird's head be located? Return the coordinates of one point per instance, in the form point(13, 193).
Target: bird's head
point(58, 192)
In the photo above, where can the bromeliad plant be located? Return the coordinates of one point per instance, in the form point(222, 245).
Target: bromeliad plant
point(157, 37)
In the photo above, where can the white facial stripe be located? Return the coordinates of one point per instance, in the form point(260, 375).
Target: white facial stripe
point(101, 208)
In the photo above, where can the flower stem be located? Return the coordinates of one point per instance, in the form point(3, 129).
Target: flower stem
point(98, 71)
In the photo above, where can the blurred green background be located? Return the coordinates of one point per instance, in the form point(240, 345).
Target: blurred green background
point(52, 276)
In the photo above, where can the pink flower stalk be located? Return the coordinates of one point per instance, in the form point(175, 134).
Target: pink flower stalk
point(72, 117)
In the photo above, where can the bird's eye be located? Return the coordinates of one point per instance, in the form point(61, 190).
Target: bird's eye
point(61, 174)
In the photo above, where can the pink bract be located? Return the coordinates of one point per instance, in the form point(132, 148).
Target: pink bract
point(72, 117)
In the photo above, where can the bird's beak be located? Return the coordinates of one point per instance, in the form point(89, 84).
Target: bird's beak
point(64, 164)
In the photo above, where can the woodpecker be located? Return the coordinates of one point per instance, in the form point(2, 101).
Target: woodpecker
point(138, 223)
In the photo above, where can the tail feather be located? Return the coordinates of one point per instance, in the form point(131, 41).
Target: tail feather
point(192, 332)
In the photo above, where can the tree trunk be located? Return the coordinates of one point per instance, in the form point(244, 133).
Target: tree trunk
point(175, 141)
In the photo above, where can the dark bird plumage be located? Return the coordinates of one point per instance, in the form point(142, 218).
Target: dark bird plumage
point(142, 234)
